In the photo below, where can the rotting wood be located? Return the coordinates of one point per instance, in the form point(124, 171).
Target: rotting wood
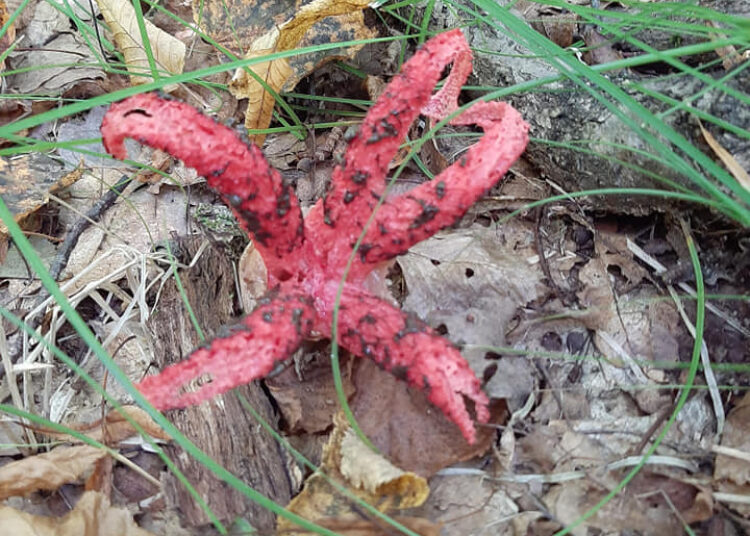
point(220, 427)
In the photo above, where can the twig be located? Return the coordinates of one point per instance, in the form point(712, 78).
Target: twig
point(63, 254)
point(566, 296)
point(71, 239)
point(660, 419)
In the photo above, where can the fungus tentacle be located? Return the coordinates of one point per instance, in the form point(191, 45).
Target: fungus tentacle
point(416, 215)
point(269, 334)
point(358, 183)
point(408, 348)
point(266, 208)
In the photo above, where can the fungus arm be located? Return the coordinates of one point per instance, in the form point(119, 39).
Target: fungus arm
point(270, 334)
point(358, 183)
point(266, 207)
point(416, 215)
point(412, 351)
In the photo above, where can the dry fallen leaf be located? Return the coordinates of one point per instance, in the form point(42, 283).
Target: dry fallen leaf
point(60, 60)
point(168, 51)
point(92, 516)
point(143, 221)
point(726, 157)
point(368, 475)
point(47, 471)
point(114, 428)
point(373, 473)
point(625, 326)
point(8, 37)
point(467, 282)
point(308, 403)
point(470, 505)
point(62, 64)
point(736, 435)
point(274, 73)
point(668, 491)
point(599, 48)
point(26, 182)
point(728, 54)
point(732, 470)
point(561, 28)
point(355, 526)
point(253, 277)
point(396, 418)
point(567, 502)
point(25, 185)
point(287, 36)
point(628, 323)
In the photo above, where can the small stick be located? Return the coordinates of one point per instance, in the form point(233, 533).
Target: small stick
point(71, 239)
point(63, 254)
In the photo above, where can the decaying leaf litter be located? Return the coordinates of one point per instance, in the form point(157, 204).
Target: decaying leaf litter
point(580, 348)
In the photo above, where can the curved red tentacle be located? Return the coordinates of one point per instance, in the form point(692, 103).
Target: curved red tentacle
point(416, 215)
point(270, 334)
point(357, 184)
point(267, 208)
point(412, 351)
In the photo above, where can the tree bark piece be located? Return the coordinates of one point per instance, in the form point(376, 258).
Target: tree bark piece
point(220, 427)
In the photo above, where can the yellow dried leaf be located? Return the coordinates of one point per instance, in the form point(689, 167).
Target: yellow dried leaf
point(114, 429)
point(47, 471)
point(366, 474)
point(726, 157)
point(92, 516)
point(370, 471)
point(168, 51)
point(244, 86)
point(276, 73)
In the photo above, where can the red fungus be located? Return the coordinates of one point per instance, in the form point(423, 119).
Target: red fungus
point(306, 259)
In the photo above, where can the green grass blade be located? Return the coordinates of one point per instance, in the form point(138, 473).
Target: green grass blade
point(599, 87)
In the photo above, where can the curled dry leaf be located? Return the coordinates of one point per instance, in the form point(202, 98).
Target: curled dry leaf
point(47, 471)
point(168, 51)
point(369, 476)
point(371, 472)
point(275, 73)
point(93, 516)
